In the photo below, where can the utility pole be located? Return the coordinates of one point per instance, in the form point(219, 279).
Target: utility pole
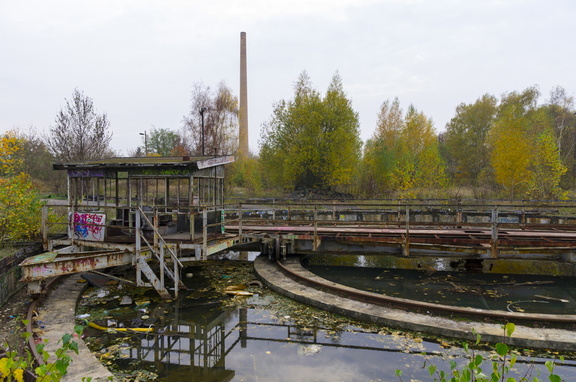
point(202, 115)
point(145, 142)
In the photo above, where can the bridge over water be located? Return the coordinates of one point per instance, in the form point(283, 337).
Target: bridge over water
point(158, 241)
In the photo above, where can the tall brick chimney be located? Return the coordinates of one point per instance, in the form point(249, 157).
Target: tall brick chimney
point(243, 149)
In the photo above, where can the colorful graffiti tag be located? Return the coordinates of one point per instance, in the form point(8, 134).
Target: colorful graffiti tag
point(89, 226)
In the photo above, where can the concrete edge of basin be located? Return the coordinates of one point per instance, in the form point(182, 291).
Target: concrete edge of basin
point(535, 338)
point(58, 316)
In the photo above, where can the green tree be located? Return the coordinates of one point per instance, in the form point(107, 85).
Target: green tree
point(19, 203)
point(381, 149)
point(36, 160)
point(245, 175)
point(418, 163)
point(80, 133)
point(312, 141)
point(160, 142)
point(546, 170)
point(465, 148)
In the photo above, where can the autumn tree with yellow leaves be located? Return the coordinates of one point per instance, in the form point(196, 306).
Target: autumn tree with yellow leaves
point(524, 152)
point(403, 156)
point(515, 147)
point(19, 203)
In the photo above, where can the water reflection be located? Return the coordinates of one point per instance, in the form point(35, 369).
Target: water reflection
point(253, 344)
point(266, 338)
point(248, 345)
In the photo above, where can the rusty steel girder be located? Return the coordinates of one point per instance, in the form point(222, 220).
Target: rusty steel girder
point(50, 264)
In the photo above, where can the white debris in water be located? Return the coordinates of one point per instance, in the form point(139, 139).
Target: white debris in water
point(309, 349)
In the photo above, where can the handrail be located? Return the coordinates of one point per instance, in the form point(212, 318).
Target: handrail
point(155, 229)
point(174, 275)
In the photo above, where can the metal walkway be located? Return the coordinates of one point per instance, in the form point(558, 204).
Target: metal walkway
point(159, 241)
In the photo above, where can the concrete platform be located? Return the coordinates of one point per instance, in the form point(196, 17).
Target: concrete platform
point(535, 338)
point(57, 314)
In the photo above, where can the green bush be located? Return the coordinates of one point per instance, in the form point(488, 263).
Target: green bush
point(498, 370)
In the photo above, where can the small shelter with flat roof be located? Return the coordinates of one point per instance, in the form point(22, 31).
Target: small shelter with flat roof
point(133, 210)
point(168, 184)
point(148, 181)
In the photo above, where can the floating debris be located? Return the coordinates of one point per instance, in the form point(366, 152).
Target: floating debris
point(552, 298)
point(96, 326)
point(238, 293)
point(309, 349)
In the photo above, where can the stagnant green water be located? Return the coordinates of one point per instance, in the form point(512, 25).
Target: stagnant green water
point(208, 336)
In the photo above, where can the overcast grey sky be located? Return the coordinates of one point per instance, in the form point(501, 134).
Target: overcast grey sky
point(138, 59)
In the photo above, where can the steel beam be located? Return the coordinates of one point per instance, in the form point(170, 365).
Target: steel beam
point(50, 264)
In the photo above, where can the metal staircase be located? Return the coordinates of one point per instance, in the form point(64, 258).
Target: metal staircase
point(165, 253)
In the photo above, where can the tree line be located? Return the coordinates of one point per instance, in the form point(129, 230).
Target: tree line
point(512, 146)
point(509, 147)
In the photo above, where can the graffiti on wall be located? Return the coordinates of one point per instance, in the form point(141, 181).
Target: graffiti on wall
point(90, 173)
point(89, 226)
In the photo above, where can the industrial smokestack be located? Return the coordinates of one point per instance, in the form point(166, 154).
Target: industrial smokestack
point(243, 149)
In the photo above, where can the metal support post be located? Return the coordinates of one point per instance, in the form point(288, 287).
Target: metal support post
point(162, 265)
point(156, 226)
point(176, 272)
point(45, 228)
point(240, 213)
point(407, 238)
point(204, 234)
point(494, 239)
point(315, 217)
point(333, 210)
point(71, 210)
point(222, 220)
point(138, 248)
